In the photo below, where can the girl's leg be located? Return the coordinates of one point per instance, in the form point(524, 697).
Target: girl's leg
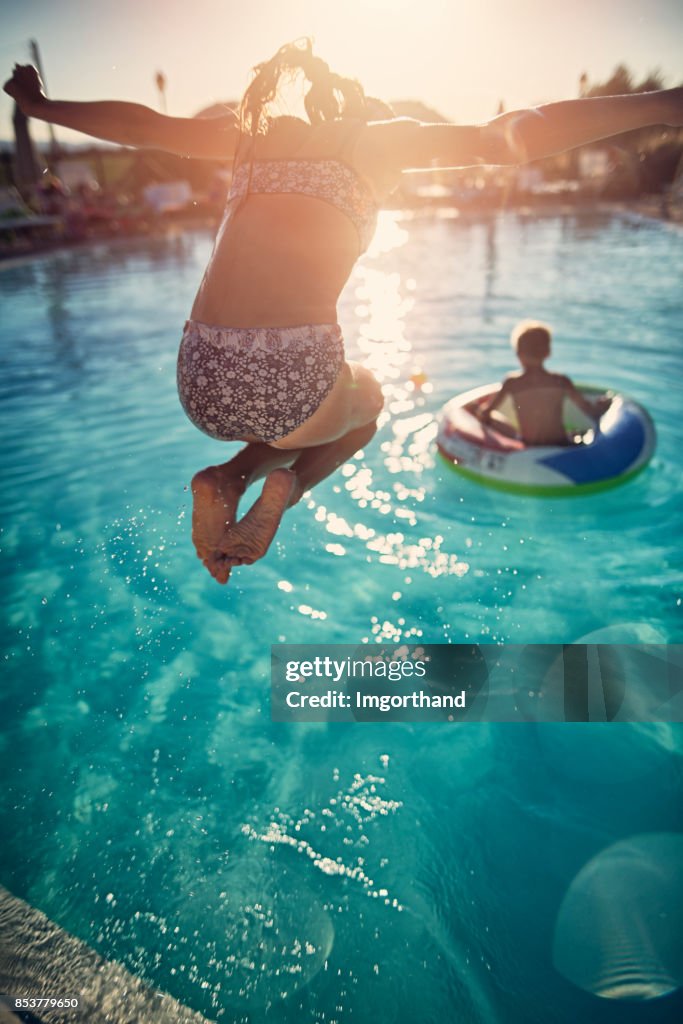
point(342, 425)
point(314, 464)
point(250, 538)
point(217, 490)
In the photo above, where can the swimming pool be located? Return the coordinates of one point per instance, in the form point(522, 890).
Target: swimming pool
point(151, 807)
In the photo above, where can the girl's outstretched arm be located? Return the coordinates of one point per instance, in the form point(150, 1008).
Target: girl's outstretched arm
point(129, 124)
point(521, 135)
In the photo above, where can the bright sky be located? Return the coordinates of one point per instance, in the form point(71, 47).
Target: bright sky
point(459, 56)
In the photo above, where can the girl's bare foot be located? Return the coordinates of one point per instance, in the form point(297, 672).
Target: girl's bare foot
point(215, 495)
point(250, 538)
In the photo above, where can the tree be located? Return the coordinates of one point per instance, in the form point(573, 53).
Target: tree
point(653, 151)
point(622, 81)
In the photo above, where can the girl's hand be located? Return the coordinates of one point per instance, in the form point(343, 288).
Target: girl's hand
point(25, 88)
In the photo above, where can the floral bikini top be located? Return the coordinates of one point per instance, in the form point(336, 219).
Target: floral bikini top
point(330, 179)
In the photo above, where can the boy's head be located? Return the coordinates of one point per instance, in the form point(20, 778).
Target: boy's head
point(531, 342)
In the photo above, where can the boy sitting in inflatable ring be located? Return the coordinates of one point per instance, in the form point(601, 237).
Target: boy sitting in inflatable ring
point(537, 394)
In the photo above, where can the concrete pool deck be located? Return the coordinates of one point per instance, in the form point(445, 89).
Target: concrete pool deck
point(39, 959)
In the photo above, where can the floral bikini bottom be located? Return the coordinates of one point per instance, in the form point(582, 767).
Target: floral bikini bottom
point(262, 382)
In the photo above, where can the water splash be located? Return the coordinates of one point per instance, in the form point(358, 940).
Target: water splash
point(345, 815)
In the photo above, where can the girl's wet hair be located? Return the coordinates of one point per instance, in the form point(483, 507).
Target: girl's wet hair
point(329, 97)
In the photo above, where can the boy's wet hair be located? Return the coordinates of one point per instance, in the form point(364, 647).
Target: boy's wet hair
point(531, 338)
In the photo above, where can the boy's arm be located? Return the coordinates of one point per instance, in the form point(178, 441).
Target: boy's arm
point(484, 410)
point(129, 124)
point(594, 409)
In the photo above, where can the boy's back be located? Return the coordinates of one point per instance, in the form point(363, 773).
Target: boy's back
point(538, 398)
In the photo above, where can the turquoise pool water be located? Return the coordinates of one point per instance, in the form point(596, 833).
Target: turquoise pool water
point(408, 872)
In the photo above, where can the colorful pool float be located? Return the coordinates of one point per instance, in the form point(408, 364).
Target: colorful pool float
point(610, 454)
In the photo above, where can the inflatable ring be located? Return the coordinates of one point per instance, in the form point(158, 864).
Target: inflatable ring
point(607, 454)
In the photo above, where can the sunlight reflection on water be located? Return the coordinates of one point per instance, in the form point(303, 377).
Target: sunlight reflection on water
point(137, 744)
